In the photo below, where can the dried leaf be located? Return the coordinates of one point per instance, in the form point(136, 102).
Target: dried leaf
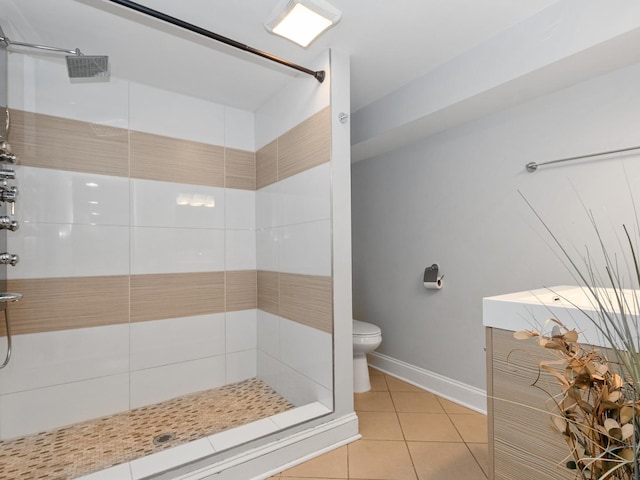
point(627, 431)
point(555, 373)
point(617, 380)
point(560, 423)
point(602, 369)
point(614, 396)
point(608, 405)
point(610, 423)
point(626, 414)
point(525, 334)
point(613, 428)
point(571, 336)
point(627, 454)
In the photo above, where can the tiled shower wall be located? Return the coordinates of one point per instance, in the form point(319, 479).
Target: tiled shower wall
point(138, 250)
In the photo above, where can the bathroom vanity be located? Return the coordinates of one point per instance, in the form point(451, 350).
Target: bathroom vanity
point(522, 442)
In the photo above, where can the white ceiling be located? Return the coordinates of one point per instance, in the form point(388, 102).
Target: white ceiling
point(390, 42)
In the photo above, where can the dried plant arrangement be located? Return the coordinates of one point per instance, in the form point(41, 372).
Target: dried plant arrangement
point(596, 410)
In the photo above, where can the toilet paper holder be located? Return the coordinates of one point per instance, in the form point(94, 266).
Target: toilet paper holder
point(431, 279)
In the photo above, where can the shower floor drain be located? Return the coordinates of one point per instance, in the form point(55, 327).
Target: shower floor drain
point(164, 438)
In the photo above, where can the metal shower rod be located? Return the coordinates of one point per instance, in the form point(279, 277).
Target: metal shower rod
point(318, 75)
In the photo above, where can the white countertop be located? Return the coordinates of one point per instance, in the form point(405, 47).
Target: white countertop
point(574, 306)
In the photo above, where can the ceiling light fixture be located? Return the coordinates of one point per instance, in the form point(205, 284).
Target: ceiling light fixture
point(301, 21)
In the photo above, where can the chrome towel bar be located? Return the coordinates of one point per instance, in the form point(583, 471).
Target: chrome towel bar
point(533, 166)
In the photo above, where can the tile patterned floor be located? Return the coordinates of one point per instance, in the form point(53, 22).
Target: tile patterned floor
point(407, 434)
point(87, 447)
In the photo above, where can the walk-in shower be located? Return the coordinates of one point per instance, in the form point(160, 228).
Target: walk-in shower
point(147, 322)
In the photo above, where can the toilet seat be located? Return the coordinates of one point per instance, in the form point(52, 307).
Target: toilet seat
point(364, 329)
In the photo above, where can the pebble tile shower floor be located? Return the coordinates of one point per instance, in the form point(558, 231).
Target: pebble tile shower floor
point(83, 448)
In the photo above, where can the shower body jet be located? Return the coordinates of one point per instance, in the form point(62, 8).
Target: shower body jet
point(78, 64)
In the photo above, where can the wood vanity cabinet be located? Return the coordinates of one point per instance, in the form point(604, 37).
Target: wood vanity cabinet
point(523, 444)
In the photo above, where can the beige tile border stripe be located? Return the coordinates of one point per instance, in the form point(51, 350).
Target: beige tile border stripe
point(59, 143)
point(51, 304)
point(156, 157)
point(47, 141)
point(305, 146)
point(306, 299)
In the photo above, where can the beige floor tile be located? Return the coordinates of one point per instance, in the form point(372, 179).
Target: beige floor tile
point(378, 383)
point(472, 428)
point(481, 453)
point(397, 385)
point(416, 402)
point(380, 426)
point(444, 461)
point(307, 478)
point(428, 427)
point(452, 407)
point(329, 465)
point(374, 372)
point(379, 459)
point(373, 402)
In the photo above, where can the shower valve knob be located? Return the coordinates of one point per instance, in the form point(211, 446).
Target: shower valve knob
point(7, 174)
point(9, 259)
point(6, 156)
point(8, 194)
point(8, 224)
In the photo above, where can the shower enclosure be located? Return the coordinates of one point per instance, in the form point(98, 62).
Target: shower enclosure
point(176, 260)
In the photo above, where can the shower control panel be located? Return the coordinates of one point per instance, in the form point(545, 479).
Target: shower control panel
point(8, 194)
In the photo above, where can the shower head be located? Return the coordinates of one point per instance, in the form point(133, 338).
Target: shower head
point(87, 66)
point(78, 64)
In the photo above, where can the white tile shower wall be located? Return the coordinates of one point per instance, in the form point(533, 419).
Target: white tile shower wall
point(305, 248)
point(291, 384)
point(176, 250)
point(168, 204)
point(307, 350)
point(305, 197)
point(294, 359)
point(240, 209)
point(240, 220)
point(269, 333)
point(41, 409)
point(160, 112)
point(241, 366)
point(58, 196)
point(157, 384)
point(267, 206)
point(53, 358)
point(163, 342)
point(49, 250)
point(43, 86)
point(240, 249)
point(239, 129)
point(267, 246)
point(241, 331)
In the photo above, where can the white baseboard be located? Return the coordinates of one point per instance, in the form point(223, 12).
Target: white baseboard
point(458, 392)
point(267, 460)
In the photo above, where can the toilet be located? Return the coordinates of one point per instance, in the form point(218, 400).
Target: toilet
point(366, 338)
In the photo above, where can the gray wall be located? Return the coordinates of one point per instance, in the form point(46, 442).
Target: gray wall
point(453, 199)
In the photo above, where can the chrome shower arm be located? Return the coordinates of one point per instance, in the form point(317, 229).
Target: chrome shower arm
point(40, 47)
